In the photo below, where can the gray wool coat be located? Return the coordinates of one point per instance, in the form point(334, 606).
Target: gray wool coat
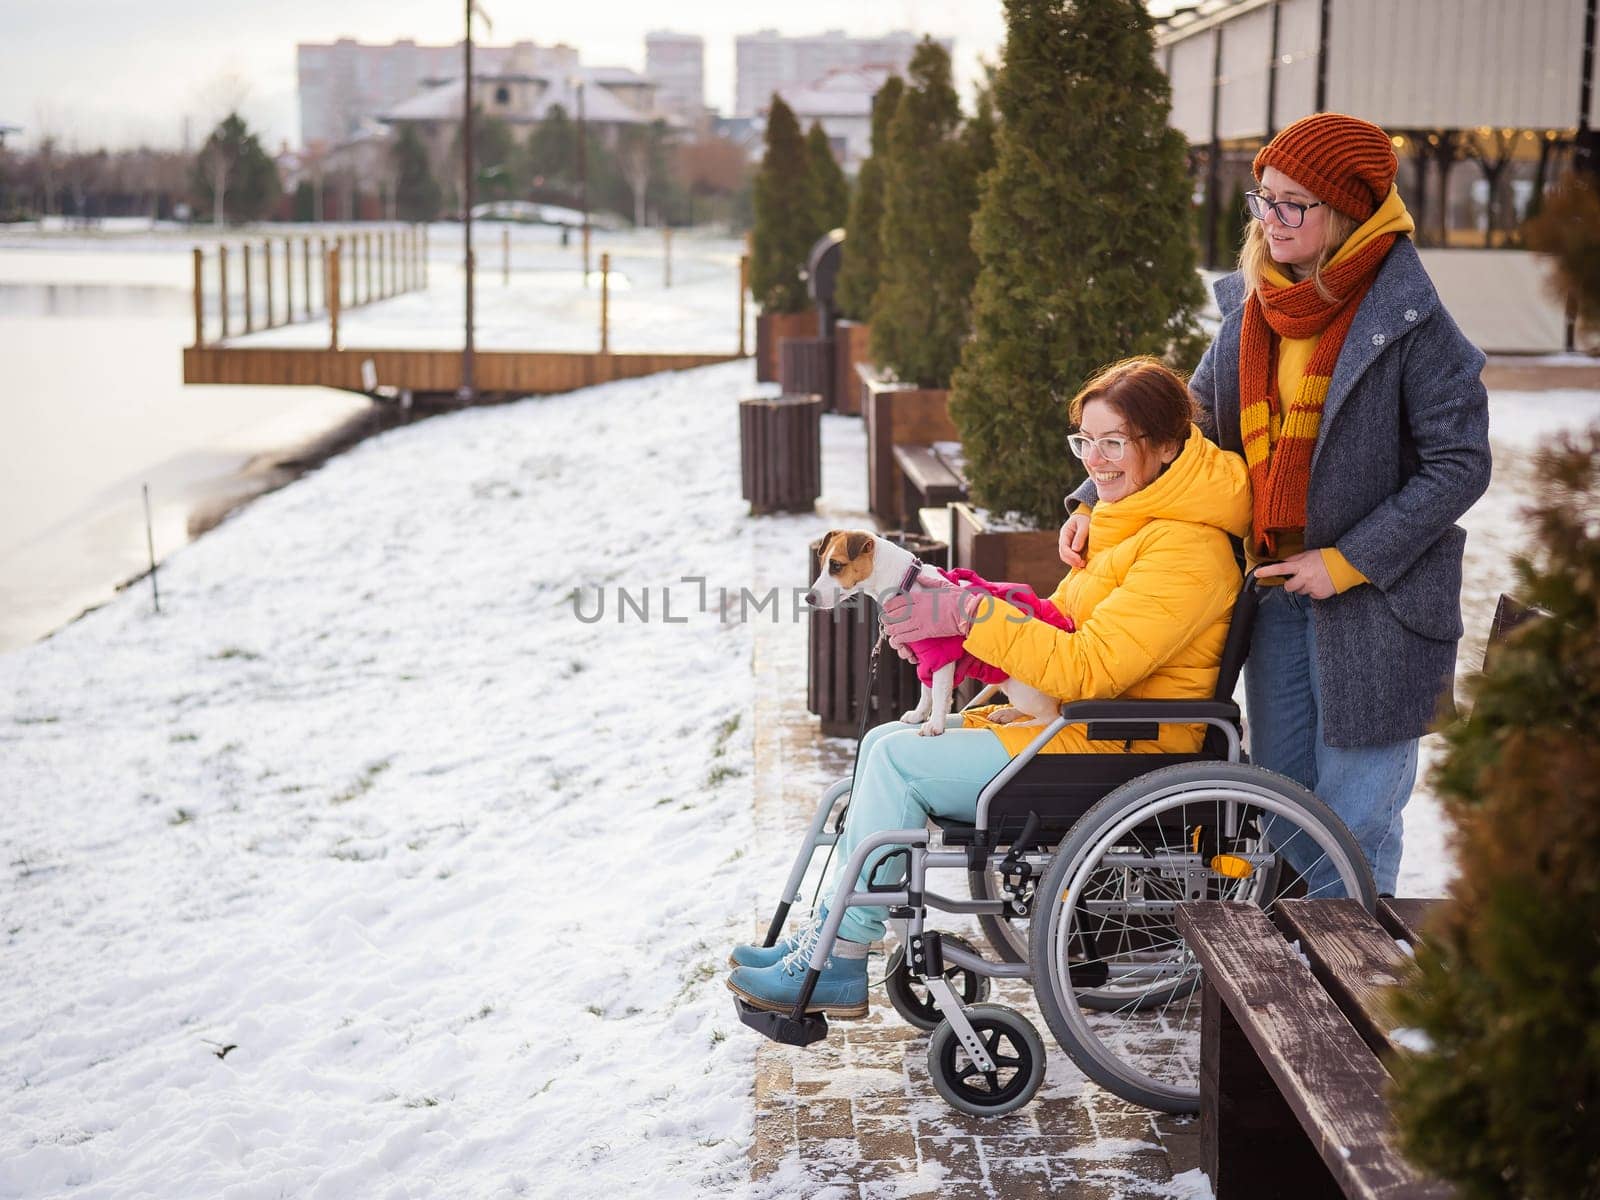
point(1402, 452)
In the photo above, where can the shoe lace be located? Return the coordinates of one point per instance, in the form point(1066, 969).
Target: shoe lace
point(804, 943)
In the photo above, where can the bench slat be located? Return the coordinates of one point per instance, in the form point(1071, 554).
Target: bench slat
point(1353, 959)
point(1406, 918)
point(1319, 1063)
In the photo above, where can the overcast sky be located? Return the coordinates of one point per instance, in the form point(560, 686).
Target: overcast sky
point(120, 72)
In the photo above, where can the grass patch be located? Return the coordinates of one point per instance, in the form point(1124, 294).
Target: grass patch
point(184, 737)
point(238, 652)
point(721, 773)
point(182, 817)
point(38, 720)
point(363, 783)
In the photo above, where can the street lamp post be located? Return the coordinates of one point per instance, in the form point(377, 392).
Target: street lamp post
point(583, 178)
point(466, 393)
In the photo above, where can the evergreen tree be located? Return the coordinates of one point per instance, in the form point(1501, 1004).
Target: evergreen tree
point(1084, 238)
point(1567, 228)
point(830, 194)
point(417, 195)
point(233, 176)
point(1507, 986)
point(921, 312)
point(858, 273)
point(496, 162)
point(552, 152)
point(305, 201)
point(785, 225)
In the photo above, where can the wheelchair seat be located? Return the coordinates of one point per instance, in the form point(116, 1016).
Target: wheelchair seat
point(1059, 788)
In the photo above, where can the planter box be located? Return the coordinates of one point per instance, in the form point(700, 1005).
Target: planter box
point(839, 656)
point(851, 346)
point(805, 367)
point(780, 453)
point(1013, 556)
point(895, 413)
point(772, 328)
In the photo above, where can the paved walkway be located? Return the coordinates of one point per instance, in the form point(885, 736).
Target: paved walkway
point(857, 1115)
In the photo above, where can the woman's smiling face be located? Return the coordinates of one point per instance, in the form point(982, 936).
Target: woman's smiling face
point(1141, 460)
point(1295, 248)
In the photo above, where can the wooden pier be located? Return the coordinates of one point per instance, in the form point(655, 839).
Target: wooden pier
point(435, 374)
point(357, 268)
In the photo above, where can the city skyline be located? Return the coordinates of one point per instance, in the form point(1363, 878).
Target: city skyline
point(67, 67)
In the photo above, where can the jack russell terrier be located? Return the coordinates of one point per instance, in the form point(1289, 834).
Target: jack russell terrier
point(856, 562)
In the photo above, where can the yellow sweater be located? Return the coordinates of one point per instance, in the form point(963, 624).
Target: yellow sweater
point(1151, 607)
point(1295, 353)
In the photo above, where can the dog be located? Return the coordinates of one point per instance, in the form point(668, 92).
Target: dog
point(854, 562)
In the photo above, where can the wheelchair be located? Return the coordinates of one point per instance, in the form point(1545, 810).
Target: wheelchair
point(1075, 865)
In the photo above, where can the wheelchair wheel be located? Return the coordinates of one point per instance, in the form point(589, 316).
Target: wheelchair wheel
point(910, 995)
point(1014, 1045)
point(1203, 830)
point(1007, 933)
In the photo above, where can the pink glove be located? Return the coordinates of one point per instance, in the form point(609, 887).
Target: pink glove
point(926, 612)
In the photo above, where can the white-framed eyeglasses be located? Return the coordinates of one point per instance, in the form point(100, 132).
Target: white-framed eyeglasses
point(1110, 448)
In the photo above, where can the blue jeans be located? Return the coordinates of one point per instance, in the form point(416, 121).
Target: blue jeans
point(902, 778)
point(1368, 786)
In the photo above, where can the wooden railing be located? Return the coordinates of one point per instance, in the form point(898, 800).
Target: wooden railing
point(321, 275)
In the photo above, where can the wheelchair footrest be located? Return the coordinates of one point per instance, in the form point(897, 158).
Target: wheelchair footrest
point(783, 1027)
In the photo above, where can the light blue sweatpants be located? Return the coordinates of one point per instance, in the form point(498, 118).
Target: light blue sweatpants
point(902, 778)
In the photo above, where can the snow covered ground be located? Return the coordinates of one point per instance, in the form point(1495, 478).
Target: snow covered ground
point(451, 869)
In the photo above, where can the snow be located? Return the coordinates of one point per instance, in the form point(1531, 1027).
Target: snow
point(455, 871)
point(451, 869)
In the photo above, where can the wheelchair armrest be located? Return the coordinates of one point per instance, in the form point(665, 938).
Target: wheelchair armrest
point(1163, 712)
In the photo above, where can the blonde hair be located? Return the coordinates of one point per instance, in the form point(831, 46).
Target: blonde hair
point(1255, 254)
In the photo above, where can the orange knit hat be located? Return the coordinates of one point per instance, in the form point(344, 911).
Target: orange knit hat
point(1345, 161)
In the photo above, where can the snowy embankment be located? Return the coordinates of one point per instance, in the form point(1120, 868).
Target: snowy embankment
point(452, 871)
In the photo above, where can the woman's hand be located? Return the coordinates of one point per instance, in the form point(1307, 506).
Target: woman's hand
point(1074, 538)
point(926, 612)
point(1305, 574)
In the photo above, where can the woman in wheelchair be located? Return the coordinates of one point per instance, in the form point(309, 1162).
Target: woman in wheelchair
point(1151, 610)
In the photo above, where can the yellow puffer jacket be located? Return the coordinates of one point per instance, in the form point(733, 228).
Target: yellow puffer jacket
point(1151, 607)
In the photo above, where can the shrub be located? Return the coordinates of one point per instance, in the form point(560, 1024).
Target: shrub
point(858, 274)
point(921, 312)
point(1507, 1102)
point(785, 224)
point(1084, 238)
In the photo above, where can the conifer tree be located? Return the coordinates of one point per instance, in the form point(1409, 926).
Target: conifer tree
point(1507, 986)
point(785, 224)
point(830, 194)
point(858, 273)
point(921, 312)
point(416, 191)
point(1085, 238)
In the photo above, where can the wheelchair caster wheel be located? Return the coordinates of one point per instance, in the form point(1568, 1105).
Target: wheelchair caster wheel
point(910, 995)
point(1014, 1045)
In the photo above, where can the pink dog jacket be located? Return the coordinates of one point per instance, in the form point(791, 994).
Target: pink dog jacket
point(933, 653)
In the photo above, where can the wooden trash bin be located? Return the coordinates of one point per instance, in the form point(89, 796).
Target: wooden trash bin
point(805, 365)
point(780, 452)
point(839, 654)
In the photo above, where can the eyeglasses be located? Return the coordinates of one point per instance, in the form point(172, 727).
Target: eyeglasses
point(1109, 448)
point(1290, 215)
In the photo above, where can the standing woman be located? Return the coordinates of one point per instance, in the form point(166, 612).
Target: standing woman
point(1357, 405)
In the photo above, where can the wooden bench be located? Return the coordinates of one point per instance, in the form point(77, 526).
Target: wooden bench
point(928, 479)
point(1292, 1083)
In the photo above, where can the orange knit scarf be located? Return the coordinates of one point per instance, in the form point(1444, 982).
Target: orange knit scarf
point(1280, 469)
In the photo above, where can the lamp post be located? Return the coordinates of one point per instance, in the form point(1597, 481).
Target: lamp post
point(583, 176)
point(467, 391)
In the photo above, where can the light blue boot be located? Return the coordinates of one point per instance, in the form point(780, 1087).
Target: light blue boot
point(803, 934)
point(841, 988)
